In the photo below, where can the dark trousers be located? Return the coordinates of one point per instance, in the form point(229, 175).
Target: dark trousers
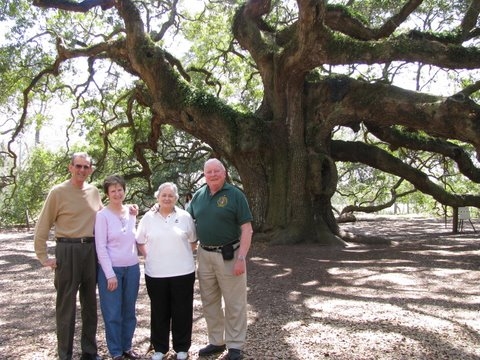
point(171, 305)
point(76, 272)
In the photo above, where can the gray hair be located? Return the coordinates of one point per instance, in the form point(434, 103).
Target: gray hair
point(166, 185)
point(83, 155)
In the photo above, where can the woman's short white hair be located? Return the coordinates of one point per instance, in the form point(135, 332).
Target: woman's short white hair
point(166, 185)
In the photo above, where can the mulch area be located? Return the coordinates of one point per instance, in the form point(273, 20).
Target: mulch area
point(416, 298)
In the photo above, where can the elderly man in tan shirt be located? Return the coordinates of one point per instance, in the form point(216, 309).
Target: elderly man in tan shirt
point(71, 207)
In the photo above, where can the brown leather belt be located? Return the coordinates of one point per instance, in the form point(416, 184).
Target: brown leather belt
point(81, 240)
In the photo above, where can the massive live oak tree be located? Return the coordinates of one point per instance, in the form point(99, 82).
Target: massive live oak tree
point(284, 149)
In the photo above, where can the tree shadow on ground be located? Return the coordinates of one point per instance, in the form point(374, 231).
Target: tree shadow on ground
point(414, 299)
point(384, 302)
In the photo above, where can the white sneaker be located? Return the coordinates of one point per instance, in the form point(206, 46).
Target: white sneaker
point(182, 355)
point(157, 356)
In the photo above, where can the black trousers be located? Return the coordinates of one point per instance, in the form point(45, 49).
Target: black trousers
point(171, 306)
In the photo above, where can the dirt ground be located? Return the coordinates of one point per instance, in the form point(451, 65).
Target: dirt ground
point(417, 298)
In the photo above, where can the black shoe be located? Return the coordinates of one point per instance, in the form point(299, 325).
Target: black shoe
point(86, 356)
point(234, 354)
point(211, 349)
point(130, 354)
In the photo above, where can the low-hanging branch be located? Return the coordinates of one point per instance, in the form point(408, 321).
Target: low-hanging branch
point(376, 208)
point(414, 141)
point(353, 151)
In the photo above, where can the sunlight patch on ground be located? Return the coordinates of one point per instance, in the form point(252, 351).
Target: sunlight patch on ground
point(263, 261)
point(389, 276)
point(334, 339)
point(447, 252)
point(286, 272)
point(385, 315)
point(311, 283)
point(294, 296)
point(393, 278)
point(442, 273)
point(11, 236)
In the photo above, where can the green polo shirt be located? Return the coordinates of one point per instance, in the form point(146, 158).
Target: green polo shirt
point(218, 218)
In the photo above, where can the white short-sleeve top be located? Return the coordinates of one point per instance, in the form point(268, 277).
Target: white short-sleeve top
point(168, 243)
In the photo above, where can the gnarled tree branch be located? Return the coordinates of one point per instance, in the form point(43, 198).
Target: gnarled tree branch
point(74, 6)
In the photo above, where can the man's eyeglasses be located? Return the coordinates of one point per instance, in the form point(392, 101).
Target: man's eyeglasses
point(84, 167)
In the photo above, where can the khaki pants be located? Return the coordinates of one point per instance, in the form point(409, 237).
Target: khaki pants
point(226, 325)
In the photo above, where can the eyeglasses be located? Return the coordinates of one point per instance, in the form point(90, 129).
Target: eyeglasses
point(84, 167)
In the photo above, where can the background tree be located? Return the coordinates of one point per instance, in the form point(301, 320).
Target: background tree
point(24, 198)
point(268, 96)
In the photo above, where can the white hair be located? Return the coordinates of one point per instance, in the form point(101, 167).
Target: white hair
point(166, 185)
point(215, 161)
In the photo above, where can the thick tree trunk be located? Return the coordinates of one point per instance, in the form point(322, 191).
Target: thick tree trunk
point(290, 188)
point(274, 217)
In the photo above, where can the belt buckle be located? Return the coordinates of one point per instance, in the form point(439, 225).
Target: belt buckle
point(83, 240)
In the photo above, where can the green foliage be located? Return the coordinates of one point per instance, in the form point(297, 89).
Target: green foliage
point(350, 12)
point(179, 159)
point(210, 104)
point(34, 180)
point(224, 71)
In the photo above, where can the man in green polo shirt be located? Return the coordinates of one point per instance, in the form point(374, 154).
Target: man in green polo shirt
point(224, 230)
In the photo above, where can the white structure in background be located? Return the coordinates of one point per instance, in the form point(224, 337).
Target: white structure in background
point(464, 214)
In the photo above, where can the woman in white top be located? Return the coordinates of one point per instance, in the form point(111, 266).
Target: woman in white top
point(166, 238)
